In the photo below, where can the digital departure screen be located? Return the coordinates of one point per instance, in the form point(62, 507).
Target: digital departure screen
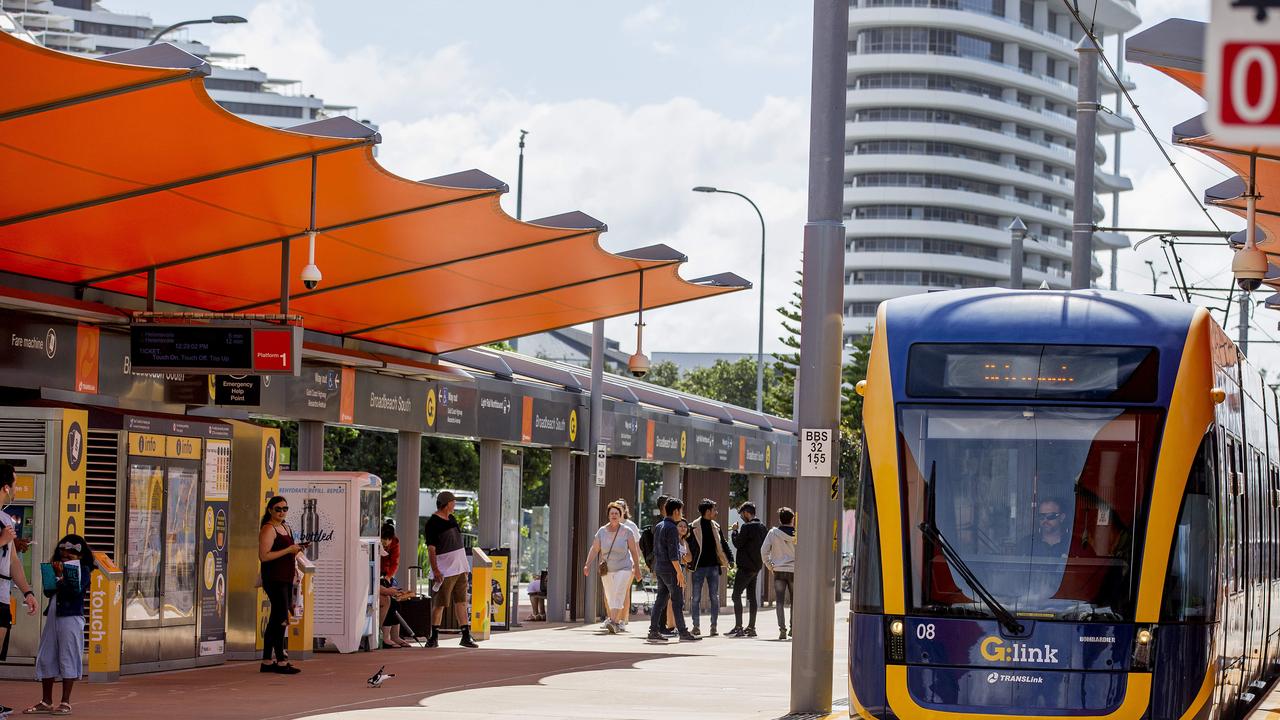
point(1082, 372)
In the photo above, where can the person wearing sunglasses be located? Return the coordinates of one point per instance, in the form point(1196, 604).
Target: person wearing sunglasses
point(61, 653)
point(1052, 536)
point(276, 551)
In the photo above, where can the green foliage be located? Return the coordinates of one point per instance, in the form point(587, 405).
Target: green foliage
point(501, 345)
point(665, 373)
point(536, 477)
point(469, 518)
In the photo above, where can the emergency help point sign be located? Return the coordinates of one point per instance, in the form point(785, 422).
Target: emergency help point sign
point(1242, 72)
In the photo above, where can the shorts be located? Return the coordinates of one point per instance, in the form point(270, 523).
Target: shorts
point(453, 590)
point(6, 621)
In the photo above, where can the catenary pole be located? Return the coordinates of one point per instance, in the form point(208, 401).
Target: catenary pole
point(593, 436)
point(818, 385)
point(1086, 152)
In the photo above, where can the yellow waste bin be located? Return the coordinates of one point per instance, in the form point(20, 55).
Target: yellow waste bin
point(481, 610)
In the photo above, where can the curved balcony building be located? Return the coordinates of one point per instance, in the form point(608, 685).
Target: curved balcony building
point(960, 116)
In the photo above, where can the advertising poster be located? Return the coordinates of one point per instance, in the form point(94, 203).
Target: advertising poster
point(213, 547)
point(321, 522)
point(500, 588)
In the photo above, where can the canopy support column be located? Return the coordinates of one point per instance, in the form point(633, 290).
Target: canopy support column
point(408, 481)
point(671, 473)
point(561, 523)
point(490, 530)
point(310, 445)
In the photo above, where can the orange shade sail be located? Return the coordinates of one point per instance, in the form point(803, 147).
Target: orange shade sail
point(121, 174)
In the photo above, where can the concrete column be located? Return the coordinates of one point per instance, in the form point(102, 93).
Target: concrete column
point(310, 445)
point(561, 523)
point(591, 600)
point(757, 492)
point(490, 530)
point(671, 484)
point(408, 480)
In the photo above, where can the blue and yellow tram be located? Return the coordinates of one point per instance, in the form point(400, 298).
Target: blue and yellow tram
point(1069, 507)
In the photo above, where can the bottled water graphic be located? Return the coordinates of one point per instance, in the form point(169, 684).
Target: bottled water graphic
point(311, 528)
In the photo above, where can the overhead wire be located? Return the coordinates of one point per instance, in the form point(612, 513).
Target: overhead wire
point(1074, 8)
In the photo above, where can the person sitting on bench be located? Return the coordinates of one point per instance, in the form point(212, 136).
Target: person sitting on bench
point(538, 597)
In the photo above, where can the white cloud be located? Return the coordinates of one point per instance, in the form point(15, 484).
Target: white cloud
point(631, 166)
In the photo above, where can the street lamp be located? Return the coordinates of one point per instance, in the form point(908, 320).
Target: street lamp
point(760, 333)
point(217, 19)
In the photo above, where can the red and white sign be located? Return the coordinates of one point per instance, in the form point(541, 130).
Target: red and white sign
point(1242, 72)
point(273, 350)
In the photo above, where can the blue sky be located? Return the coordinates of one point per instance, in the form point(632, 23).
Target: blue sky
point(630, 105)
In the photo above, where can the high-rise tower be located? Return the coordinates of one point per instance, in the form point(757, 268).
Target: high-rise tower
point(960, 117)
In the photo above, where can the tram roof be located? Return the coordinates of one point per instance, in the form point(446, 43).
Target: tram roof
point(1080, 317)
point(1175, 47)
point(123, 167)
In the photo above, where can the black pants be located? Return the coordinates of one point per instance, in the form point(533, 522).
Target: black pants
point(279, 594)
point(669, 589)
point(783, 587)
point(745, 580)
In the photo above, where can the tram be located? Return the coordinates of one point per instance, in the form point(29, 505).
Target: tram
point(1069, 507)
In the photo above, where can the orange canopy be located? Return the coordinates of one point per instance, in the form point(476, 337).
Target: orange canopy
point(1175, 47)
point(123, 171)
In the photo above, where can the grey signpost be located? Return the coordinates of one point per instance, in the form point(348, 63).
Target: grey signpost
point(1086, 138)
point(818, 386)
point(589, 606)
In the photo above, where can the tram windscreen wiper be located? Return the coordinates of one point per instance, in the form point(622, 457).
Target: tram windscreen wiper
point(953, 558)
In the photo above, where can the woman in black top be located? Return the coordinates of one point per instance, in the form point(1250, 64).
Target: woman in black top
point(276, 551)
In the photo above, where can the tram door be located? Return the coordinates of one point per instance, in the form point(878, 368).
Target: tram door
point(1233, 610)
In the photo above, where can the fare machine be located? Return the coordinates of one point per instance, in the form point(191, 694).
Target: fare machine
point(340, 513)
point(47, 448)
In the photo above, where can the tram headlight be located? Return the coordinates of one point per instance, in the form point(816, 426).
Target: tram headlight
point(896, 627)
point(1143, 642)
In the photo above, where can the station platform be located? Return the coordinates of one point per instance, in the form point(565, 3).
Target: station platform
point(543, 671)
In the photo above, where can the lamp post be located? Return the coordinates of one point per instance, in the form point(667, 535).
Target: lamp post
point(1017, 234)
point(760, 332)
point(1154, 276)
point(216, 19)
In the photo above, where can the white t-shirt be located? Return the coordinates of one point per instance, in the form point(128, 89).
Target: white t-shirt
point(6, 558)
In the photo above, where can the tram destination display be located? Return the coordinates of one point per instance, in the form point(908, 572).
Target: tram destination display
point(215, 349)
point(1081, 372)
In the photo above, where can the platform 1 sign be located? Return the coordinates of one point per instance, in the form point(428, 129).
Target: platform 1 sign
point(215, 349)
point(816, 456)
point(1242, 72)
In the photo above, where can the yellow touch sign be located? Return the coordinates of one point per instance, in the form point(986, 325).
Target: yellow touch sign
point(431, 407)
point(573, 426)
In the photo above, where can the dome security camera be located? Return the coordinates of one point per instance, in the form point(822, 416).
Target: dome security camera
point(311, 277)
point(1249, 266)
point(638, 365)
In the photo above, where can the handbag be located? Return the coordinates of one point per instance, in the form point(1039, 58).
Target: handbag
point(604, 559)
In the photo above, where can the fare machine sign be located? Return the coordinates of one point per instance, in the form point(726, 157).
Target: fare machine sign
point(1242, 73)
point(214, 349)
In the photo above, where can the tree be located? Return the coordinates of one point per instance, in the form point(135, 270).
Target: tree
point(728, 382)
point(665, 373)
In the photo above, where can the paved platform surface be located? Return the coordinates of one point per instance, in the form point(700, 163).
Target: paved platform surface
point(556, 672)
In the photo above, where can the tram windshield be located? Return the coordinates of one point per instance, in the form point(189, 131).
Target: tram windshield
point(1044, 505)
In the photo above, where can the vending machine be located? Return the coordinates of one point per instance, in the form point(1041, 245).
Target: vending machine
point(342, 519)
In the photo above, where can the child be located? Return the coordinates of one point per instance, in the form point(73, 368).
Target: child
point(66, 581)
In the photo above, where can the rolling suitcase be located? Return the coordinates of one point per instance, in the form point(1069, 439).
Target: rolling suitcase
point(415, 613)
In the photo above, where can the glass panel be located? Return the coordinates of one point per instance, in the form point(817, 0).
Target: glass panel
point(1191, 586)
point(370, 512)
point(142, 559)
point(867, 587)
point(1044, 504)
point(180, 544)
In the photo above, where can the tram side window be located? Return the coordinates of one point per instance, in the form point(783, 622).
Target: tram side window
point(867, 585)
point(1231, 507)
point(1190, 585)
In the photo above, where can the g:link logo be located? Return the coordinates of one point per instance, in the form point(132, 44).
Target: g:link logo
point(993, 648)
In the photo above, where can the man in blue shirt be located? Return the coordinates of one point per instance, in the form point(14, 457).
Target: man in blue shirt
point(666, 567)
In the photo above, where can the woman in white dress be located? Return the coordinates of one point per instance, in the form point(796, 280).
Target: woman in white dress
point(619, 555)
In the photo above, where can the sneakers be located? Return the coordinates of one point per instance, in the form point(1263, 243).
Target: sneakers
point(696, 631)
point(749, 632)
point(782, 634)
point(611, 628)
point(266, 668)
point(467, 642)
point(735, 632)
point(668, 633)
point(713, 631)
point(689, 637)
point(656, 636)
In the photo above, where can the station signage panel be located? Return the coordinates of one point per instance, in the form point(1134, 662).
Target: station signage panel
point(213, 349)
point(451, 409)
point(546, 422)
point(389, 402)
point(628, 435)
point(1242, 72)
point(670, 443)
